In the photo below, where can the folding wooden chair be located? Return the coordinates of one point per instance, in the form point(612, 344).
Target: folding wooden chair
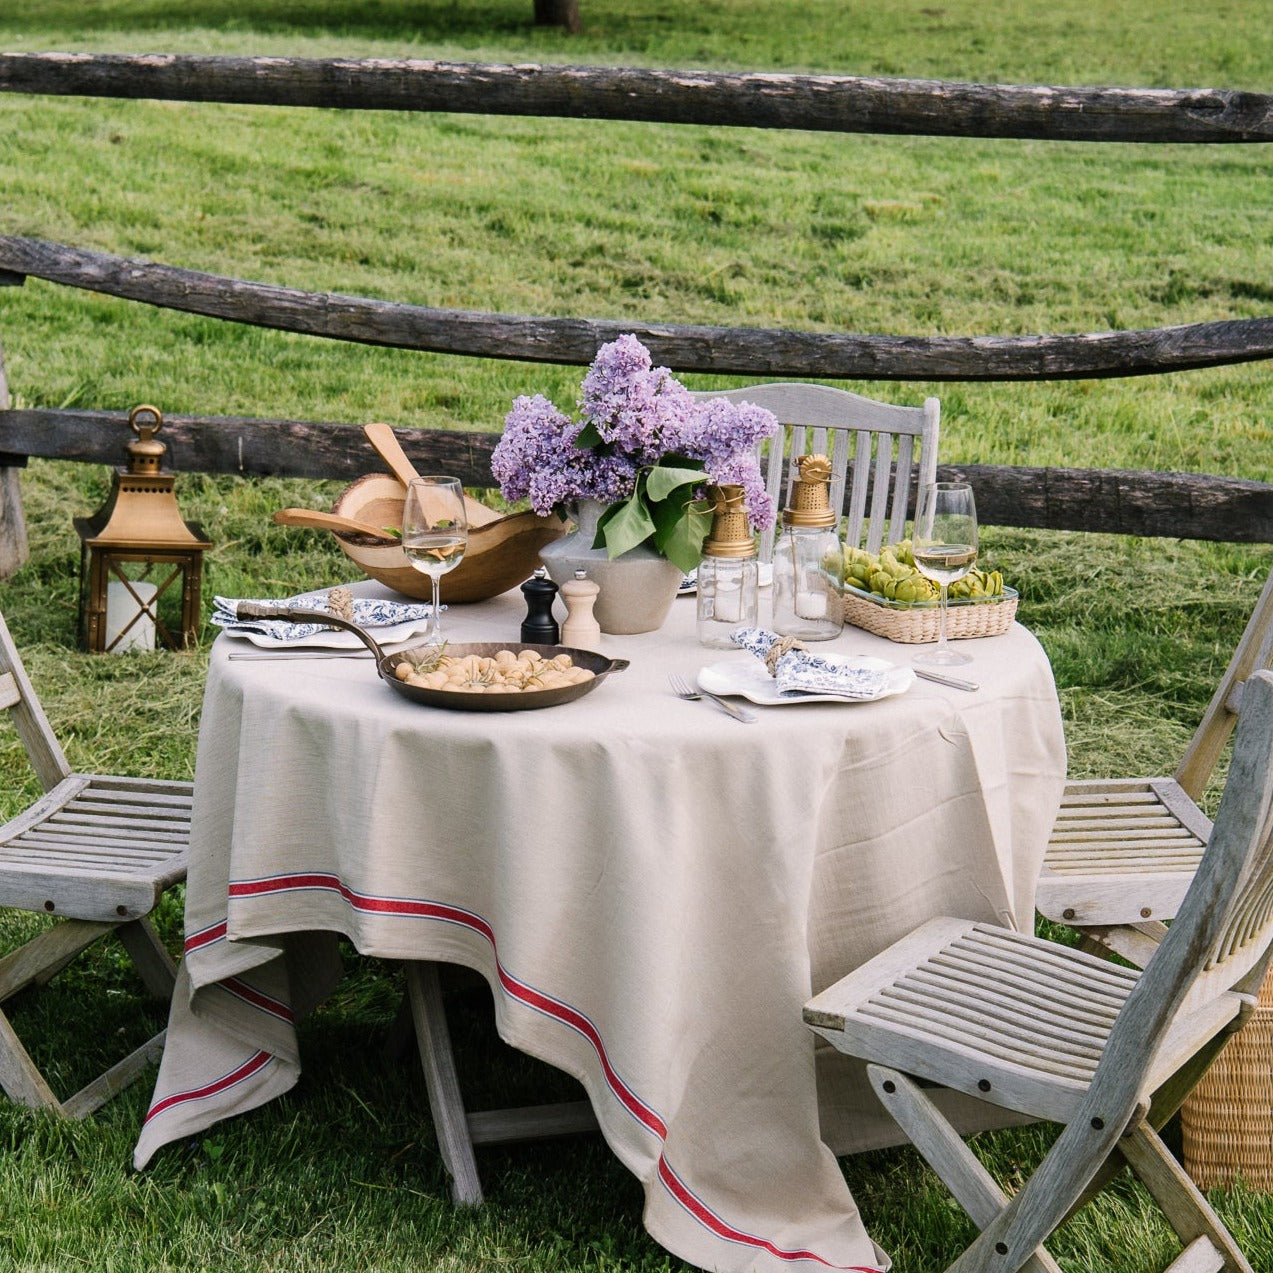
point(1055, 1033)
point(1124, 850)
point(880, 451)
point(97, 853)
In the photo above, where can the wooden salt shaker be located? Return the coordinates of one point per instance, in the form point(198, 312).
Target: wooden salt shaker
point(580, 629)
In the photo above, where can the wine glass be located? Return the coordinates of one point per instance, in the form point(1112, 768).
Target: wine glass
point(435, 533)
point(944, 543)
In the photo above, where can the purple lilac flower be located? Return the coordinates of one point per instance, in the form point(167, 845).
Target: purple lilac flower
point(643, 415)
point(638, 408)
point(537, 459)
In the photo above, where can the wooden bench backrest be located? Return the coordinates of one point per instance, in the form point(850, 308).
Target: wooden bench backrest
point(879, 451)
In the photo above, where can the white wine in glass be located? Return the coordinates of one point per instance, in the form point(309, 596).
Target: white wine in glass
point(944, 543)
point(435, 533)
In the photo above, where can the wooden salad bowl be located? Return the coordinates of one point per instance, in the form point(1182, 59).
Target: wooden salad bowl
point(502, 551)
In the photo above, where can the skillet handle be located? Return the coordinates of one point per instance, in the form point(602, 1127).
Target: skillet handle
point(290, 614)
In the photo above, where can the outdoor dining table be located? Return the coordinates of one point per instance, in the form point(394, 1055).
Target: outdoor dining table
point(651, 888)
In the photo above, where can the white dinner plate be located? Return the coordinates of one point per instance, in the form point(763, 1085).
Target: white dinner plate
point(332, 638)
point(746, 676)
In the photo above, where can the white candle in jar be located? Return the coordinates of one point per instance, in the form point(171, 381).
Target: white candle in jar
point(811, 605)
point(727, 607)
point(121, 608)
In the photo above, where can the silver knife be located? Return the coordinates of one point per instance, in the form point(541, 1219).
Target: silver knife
point(955, 682)
point(730, 709)
point(288, 655)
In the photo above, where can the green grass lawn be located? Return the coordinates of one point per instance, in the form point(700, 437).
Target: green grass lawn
point(598, 219)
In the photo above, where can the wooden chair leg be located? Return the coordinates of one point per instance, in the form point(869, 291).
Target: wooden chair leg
point(942, 1147)
point(1182, 1202)
point(95, 1094)
point(46, 954)
point(150, 957)
point(424, 992)
point(37, 962)
point(22, 1081)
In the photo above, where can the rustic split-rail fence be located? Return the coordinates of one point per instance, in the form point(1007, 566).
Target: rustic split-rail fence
point(1191, 506)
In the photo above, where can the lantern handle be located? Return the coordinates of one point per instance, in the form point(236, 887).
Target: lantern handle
point(145, 431)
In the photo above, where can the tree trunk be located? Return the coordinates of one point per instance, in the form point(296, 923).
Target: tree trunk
point(558, 13)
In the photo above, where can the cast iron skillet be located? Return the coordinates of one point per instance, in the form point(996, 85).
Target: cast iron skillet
point(387, 664)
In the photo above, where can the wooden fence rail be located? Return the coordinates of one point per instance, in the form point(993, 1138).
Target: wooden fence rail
point(768, 352)
point(821, 103)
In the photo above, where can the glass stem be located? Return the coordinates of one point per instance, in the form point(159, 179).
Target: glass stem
point(436, 632)
point(941, 621)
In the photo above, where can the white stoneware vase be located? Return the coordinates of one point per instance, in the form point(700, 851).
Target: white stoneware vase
point(637, 588)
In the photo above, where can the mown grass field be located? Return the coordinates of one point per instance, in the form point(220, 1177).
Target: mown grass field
point(596, 219)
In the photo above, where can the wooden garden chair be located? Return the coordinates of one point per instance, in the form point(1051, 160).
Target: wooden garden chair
point(1123, 850)
point(880, 451)
point(1055, 1033)
point(94, 853)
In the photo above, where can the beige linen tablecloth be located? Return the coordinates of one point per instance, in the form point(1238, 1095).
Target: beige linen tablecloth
point(651, 888)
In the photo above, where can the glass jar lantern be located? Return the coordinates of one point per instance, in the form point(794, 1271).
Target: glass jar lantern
point(728, 574)
point(808, 558)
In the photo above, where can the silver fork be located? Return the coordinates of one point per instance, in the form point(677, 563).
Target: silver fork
point(682, 689)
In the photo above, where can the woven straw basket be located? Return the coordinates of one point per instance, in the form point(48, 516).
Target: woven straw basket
point(913, 624)
point(1228, 1119)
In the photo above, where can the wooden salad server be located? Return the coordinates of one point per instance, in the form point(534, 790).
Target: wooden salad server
point(312, 519)
point(386, 445)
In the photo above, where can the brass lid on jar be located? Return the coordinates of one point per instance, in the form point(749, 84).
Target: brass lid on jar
point(730, 535)
point(811, 494)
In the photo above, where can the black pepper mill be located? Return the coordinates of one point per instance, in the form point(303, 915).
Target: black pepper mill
point(539, 627)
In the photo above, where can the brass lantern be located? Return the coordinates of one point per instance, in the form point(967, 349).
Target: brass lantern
point(135, 550)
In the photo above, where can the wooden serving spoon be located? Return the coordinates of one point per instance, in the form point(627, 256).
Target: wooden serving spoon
point(384, 442)
point(315, 520)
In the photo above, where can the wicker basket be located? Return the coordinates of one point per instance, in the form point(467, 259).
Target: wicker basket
point(914, 623)
point(1228, 1119)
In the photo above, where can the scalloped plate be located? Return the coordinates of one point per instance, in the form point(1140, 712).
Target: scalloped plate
point(746, 677)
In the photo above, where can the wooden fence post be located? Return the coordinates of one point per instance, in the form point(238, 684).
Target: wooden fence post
point(14, 549)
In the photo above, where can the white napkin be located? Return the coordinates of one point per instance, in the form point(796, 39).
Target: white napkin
point(802, 671)
point(369, 612)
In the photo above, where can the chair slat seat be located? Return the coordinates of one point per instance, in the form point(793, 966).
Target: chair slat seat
point(1120, 852)
point(96, 851)
point(976, 1005)
point(1159, 853)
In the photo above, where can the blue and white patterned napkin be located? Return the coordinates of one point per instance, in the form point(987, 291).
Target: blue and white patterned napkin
point(368, 612)
point(804, 672)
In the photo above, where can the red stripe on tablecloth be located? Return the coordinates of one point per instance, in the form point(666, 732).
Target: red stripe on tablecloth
point(419, 909)
point(711, 1221)
point(205, 937)
point(258, 999)
point(253, 1065)
point(416, 908)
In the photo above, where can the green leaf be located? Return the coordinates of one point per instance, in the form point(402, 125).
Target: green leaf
point(662, 480)
point(588, 437)
point(681, 525)
point(625, 524)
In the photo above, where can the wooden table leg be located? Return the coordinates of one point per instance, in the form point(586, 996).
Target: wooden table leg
point(424, 993)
